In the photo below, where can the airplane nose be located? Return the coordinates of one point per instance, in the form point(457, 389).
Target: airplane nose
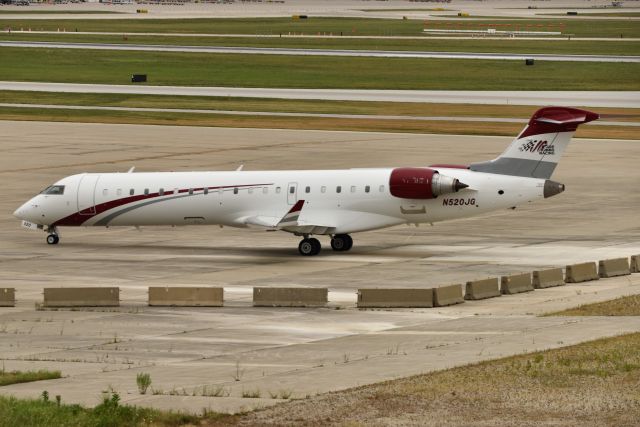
point(24, 211)
point(18, 213)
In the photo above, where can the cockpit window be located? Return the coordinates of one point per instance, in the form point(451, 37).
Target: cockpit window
point(54, 189)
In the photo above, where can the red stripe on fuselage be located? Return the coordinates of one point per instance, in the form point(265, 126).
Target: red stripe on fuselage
point(84, 215)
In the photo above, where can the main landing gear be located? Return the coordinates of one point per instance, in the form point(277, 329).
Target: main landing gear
point(53, 238)
point(341, 242)
point(311, 246)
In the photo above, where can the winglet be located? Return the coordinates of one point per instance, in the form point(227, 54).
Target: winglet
point(291, 217)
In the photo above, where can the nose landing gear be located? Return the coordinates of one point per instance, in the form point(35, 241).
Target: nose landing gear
point(53, 238)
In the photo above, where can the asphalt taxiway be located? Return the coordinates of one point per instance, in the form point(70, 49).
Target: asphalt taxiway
point(303, 351)
point(625, 99)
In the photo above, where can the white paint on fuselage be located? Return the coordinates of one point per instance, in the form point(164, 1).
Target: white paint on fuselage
point(267, 194)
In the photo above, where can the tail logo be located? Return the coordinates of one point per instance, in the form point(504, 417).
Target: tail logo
point(541, 147)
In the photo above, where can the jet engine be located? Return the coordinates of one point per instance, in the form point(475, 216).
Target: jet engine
point(422, 183)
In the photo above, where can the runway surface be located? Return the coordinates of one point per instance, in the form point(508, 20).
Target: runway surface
point(627, 99)
point(281, 114)
point(323, 52)
point(305, 351)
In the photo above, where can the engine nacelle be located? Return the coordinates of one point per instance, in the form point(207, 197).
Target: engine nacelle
point(422, 183)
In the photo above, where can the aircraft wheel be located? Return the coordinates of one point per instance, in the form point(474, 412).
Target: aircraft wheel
point(309, 247)
point(341, 242)
point(53, 239)
point(316, 246)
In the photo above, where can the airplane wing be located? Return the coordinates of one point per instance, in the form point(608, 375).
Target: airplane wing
point(290, 222)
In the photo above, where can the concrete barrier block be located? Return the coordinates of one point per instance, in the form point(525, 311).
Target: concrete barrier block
point(447, 295)
point(482, 289)
point(290, 297)
point(387, 298)
point(186, 296)
point(548, 278)
point(613, 267)
point(583, 272)
point(516, 284)
point(7, 297)
point(635, 263)
point(82, 297)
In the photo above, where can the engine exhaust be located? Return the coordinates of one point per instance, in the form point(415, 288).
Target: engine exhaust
point(442, 184)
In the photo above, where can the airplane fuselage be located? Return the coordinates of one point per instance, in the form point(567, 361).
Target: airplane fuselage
point(345, 200)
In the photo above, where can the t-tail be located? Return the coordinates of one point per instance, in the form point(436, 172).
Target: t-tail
point(535, 153)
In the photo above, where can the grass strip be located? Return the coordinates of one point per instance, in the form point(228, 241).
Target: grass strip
point(337, 26)
point(362, 125)
point(507, 45)
point(110, 413)
point(624, 306)
point(197, 69)
point(61, 12)
point(15, 377)
point(589, 384)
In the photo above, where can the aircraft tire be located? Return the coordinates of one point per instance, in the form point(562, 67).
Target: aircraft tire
point(306, 247)
point(341, 242)
point(316, 246)
point(53, 239)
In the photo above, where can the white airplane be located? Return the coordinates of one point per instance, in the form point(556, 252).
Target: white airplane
point(334, 203)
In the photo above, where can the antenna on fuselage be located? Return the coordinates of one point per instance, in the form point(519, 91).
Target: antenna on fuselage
point(240, 167)
point(132, 169)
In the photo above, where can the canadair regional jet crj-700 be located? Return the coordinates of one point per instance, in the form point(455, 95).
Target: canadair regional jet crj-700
point(307, 203)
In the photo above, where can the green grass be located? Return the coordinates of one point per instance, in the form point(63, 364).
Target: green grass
point(196, 69)
point(346, 26)
point(47, 12)
point(625, 306)
point(15, 377)
point(46, 413)
point(507, 45)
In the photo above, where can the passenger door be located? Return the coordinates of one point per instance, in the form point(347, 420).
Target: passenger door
point(87, 194)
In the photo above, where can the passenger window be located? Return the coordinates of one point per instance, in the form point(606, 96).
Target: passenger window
point(338, 189)
point(353, 188)
point(206, 190)
point(146, 191)
point(307, 190)
point(190, 191)
point(131, 192)
point(161, 192)
point(105, 192)
point(323, 189)
point(381, 188)
point(277, 190)
point(292, 190)
point(235, 190)
point(367, 188)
